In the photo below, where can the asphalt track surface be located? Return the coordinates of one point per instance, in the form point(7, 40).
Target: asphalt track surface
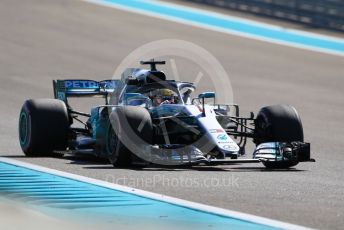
point(45, 40)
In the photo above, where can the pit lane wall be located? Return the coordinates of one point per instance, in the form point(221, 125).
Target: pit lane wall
point(327, 14)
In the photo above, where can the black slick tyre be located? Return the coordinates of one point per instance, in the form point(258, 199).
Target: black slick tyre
point(129, 126)
point(43, 127)
point(278, 123)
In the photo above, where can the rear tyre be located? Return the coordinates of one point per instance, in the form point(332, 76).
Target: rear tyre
point(43, 127)
point(129, 126)
point(278, 123)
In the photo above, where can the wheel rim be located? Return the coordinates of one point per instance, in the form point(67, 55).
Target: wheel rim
point(23, 128)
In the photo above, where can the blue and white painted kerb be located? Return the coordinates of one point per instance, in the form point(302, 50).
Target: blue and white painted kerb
point(63, 194)
point(229, 24)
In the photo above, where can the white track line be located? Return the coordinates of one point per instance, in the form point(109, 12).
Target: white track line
point(159, 197)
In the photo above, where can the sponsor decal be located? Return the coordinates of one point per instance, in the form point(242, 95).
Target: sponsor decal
point(229, 147)
point(108, 84)
point(226, 147)
point(81, 84)
point(216, 131)
point(222, 137)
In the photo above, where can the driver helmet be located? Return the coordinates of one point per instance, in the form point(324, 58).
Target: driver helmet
point(163, 96)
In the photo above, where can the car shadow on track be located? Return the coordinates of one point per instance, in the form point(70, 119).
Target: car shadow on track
point(152, 168)
point(92, 162)
point(263, 169)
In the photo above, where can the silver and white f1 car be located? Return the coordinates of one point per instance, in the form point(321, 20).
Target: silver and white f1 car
point(147, 119)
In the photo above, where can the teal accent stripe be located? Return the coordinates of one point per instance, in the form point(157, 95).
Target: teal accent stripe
point(233, 25)
point(62, 196)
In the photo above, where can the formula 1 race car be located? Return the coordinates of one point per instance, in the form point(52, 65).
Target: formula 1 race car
point(147, 119)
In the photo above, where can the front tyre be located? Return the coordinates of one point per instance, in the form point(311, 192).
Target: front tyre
point(118, 154)
point(278, 123)
point(130, 128)
point(43, 126)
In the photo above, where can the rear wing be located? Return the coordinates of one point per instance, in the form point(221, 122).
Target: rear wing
point(84, 88)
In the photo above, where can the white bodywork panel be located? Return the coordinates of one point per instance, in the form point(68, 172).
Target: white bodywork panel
point(214, 130)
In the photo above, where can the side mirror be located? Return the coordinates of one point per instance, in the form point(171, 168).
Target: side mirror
point(206, 95)
point(137, 99)
point(130, 95)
